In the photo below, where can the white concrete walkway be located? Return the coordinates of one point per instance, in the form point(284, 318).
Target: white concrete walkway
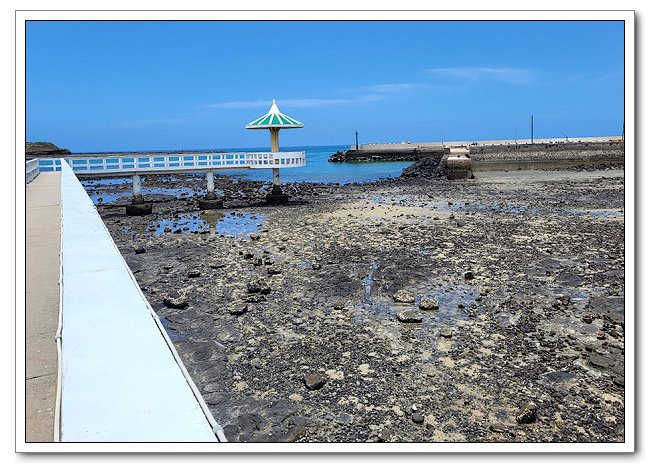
point(121, 382)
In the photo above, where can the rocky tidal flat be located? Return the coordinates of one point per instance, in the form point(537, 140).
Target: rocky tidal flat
point(419, 310)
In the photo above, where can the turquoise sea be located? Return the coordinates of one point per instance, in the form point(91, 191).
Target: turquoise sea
point(318, 169)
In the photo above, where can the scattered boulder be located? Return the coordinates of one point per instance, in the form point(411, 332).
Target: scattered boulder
point(527, 413)
point(193, 273)
point(446, 332)
point(404, 297)
point(237, 309)
point(600, 361)
point(139, 250)
point(260, 286)
point(387, 435)
point(417, 417)
point(314, 381)
point(498, 427)
point(409, 316)
point(427, 303)
point(175, 300)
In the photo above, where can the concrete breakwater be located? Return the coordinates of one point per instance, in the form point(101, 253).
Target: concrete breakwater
point(389, 153)
point(547, 155)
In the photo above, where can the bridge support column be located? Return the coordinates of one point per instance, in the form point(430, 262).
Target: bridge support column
point(138, 205)
point(210, 201)
point(137, 190)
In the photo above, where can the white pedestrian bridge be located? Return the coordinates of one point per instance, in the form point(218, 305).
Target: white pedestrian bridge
point(164, 163)
point(99, 165)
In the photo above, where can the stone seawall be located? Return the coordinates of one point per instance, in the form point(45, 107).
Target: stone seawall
point(404, 154)
point(547, 156)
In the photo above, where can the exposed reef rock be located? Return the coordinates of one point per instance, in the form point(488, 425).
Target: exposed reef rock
point(40, 148)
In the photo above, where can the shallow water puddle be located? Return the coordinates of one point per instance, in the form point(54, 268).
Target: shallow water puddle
point(452, 301)
point(100, 196)
point(214, 222)
point(174, 335)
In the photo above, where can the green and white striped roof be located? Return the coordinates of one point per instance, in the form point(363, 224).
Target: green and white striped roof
point(275, 119)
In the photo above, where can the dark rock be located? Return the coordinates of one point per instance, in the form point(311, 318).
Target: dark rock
point(403, 296)
point(600, 361)
point(210, 204)
point(175, 300)
point(139, 250)
point(387, 435)
point(139, 209)
point(294, 434)
point(237, 309)
point(260, 286)
point(193, 273)
point(498, 427)
point(277, 199)
point(427, 303)
point(344, 418)
point(273, 270)
point(468, 275)
point(314, 381)
point(216, 398)
point(527, 413)
point(445, 332)
point(417, 417)
point(254, 236)
point(315, 266)
point(409, 316)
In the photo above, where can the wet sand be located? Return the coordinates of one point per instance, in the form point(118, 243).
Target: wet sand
point(289, 326)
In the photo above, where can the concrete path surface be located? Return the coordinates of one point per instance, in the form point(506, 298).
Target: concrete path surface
point(43, 243)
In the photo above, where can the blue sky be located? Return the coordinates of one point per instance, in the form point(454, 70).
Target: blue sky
point(108, 86)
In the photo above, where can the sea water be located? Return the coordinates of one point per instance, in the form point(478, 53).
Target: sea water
point(319, 169)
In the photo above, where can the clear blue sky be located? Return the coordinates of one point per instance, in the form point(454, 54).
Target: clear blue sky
point(108, 86)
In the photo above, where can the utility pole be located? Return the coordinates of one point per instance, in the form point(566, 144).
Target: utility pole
point(442, 136)
point(532, 120)
point(356, 133)
point(516, 136)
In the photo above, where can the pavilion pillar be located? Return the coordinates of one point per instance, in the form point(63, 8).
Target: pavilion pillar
point(275, 147)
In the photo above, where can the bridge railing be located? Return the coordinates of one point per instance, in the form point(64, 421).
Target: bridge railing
point(177, 163)
point(31, 170)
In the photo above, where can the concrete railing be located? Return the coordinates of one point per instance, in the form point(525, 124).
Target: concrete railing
point(31, 170)
point(522, 141)
point(121, 380)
